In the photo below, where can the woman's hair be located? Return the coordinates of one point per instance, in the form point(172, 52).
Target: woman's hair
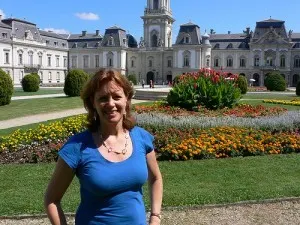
point(93, 85)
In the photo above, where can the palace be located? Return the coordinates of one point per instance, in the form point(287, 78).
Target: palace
point(24, 49)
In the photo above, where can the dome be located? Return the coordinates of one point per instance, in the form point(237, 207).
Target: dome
point(132, 43)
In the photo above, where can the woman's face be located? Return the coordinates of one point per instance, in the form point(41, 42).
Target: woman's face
point(110, 103)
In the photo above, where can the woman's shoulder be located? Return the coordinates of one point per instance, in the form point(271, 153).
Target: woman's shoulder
point(81, 137)
point(140, 131)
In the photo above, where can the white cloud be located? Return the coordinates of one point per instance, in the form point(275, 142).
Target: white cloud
point(57, 31)
point(87, 16)
point(2, 13)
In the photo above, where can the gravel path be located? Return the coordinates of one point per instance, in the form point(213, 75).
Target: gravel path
point(269, 213)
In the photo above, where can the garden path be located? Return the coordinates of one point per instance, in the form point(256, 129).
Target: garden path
point(284, 212)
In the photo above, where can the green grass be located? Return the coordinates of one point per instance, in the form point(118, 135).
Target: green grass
point(19, 108)
point(185, 183)
point(271, 95)
point(42, 91)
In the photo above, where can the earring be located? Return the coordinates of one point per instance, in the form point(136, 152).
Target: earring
point(95, 115)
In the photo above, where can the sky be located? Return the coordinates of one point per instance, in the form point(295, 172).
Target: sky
point(72, 16)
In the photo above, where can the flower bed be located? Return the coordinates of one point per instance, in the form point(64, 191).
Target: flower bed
point(295, 102)
point(179, 134)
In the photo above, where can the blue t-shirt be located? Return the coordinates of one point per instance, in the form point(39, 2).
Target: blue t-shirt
point(111, 192)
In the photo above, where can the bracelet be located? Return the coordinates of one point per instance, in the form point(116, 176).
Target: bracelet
point(156, 214)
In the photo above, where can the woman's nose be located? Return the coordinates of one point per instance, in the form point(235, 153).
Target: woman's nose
point(111, 101)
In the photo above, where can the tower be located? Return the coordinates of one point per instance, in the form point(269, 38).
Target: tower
point(158, 22)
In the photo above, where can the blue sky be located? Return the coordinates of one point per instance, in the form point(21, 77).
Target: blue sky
point(222, 16)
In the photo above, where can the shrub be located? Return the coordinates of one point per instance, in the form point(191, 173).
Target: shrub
point(74, 82)
point(6, 88)
point(242, 84)
point(205, 87)
point(30, 83)
point(37, 76)
point(132, 78)
point(298, 89)
point(275, 82)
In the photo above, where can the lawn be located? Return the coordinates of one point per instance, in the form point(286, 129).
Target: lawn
point(185, 183)
point(18, 91)
point(20, 108)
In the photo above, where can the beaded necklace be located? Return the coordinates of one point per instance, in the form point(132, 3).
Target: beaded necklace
point(110, 149)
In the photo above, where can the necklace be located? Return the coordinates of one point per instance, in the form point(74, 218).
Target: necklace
point(110, 149)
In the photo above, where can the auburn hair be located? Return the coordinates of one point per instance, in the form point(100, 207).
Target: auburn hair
point(93, 85)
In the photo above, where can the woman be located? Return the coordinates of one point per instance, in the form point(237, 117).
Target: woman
point(112, 160)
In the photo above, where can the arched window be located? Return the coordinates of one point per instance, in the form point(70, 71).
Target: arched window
point(297, 62)
point(207, 62)
point(186, 59)
point(30, 58)
point(282, 61)
point(229, 61)
point(110, 59)
point(110, 41)
point(155, 4)
point(256, 60)
point(187, 39)
point(133, 61)
point(150, 62)
point(230, 45)
point(154, 38)
point(20, 57)
point(217, 62)
point(217, 46)
point(242, 62)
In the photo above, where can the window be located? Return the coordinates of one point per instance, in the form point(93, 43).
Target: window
point(150, 63)
point(20, 58)
point(230, 45)
point(282, 61)
point(132, 63)
point(40, 60)
point(207, 62)
point(216, 62)
point(58, 76)
point(49, 60)
point(97, 60)
point(155, 4)
point(110, 59)
point(229, 62)
point(297, 62)
point(4, 35)
point(187, 40)
point(256, 61)
point(49, 76)
point(186, 59)
point(6, 57)
point(30, 58)
point(55, 43)
point(63, 44)
point(217, 46)
point(269, 61)
point(242, 62)
point(74, 61)
point(57, 61)
point(85, 61)
point(65, 62)
point(47, 42)
point(169, 64)
point(110, 41)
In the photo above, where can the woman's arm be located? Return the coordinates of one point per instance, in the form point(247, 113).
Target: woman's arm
point(155, 188)
point(59, 183)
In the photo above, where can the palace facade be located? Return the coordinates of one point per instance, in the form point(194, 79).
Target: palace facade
point(24, 49)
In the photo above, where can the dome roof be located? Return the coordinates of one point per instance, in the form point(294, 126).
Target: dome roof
point(205, 35)
point(132, 43)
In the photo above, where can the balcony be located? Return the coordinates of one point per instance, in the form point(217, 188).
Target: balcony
point(31, 68)
point(158, 11)
point(268, 67)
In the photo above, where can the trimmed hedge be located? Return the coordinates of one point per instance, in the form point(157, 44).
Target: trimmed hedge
point(74, 82)
point(6, 88)
point(275, 82)
point(242, 84)
point(31, 82)
point(132, 78)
